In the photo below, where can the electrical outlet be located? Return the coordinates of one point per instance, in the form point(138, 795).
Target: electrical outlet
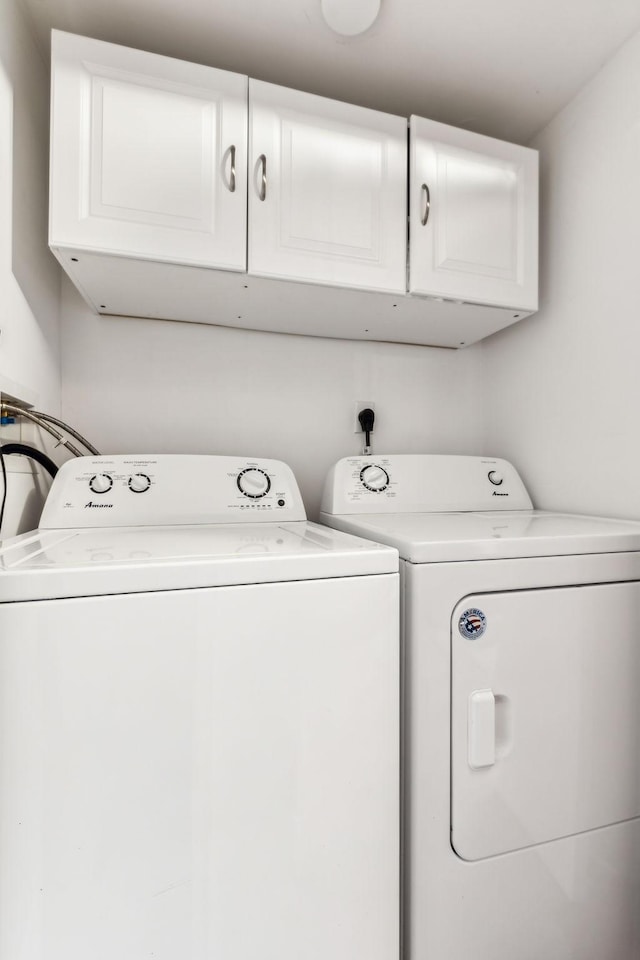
point(361, 405)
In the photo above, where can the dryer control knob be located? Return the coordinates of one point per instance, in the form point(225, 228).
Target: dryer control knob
point(253, 483)
point(374, 478)
point(495, 477)
point(100, 483)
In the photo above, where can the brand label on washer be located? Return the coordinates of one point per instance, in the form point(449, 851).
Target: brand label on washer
point(472, 624)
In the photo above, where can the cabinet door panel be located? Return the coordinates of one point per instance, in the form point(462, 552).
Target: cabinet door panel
point(142, 150)
point(160, 132)
point(479, 199)
point(340, 216)
point(334, 208)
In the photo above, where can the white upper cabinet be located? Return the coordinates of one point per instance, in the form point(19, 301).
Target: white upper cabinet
point(148, 156)
point(183, 192)
point(327, 191)
point(473, 218)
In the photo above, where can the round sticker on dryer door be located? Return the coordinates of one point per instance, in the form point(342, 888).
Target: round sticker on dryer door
point(472, 624)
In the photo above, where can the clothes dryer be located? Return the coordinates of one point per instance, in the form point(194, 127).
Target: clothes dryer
point(198, 721)
point(521, 710)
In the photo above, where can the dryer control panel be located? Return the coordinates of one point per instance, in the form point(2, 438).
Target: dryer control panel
point(422, 483)
point(168, 489)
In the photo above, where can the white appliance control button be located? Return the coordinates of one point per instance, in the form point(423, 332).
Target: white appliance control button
point(139, 483)
point(101, 483)
point(495, 477)
point(374, 478)
point(253, 483)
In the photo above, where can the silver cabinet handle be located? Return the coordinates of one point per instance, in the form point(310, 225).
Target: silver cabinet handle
point(232, 174)
point(263, 183)
point(427, 204)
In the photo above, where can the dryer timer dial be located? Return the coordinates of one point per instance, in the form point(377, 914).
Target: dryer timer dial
point(374, 478)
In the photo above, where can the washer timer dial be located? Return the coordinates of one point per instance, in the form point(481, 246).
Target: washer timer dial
point(253, 483)
point(374, 478)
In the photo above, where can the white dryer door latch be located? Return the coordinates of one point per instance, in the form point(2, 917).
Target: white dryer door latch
point(482, 729)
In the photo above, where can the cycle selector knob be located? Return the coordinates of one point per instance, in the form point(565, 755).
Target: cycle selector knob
point(495, 478)
point(100, 483)
point(139, 483)
point(374, 478)
point(253, 483)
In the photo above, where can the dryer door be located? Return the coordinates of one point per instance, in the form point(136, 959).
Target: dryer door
point(545, 721)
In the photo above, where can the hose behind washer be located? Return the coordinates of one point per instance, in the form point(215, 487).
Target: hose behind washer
point(34, 454)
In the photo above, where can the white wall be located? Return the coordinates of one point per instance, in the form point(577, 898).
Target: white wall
point(562, 389)
point(160, 386)
point(29, 276)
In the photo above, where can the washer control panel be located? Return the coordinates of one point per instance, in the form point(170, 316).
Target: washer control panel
point(168, 489)
point(422, 483)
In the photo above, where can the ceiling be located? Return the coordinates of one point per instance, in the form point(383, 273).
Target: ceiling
point(499, 67)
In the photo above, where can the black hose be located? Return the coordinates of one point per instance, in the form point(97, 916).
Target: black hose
point(33, 453)
point(4, 488)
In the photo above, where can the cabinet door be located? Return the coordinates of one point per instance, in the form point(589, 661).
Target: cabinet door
point(148, 155)
point(473, 217)
point(327, 191)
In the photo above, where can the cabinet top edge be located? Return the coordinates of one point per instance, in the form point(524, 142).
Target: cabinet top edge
point(436, 128)
point(77, 46)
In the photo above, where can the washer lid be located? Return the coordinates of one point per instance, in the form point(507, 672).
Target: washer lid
point(49, 564)
point(436, 537)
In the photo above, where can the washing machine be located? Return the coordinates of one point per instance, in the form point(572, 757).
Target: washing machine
point(199, 721)
point(521, 638)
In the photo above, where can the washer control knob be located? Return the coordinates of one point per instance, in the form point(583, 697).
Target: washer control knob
point(253, 483)
point(100, 483)
point(139, 483)
point(495, 477)
point(374, 478)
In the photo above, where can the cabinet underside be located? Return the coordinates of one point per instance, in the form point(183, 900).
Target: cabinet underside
point(142, 288)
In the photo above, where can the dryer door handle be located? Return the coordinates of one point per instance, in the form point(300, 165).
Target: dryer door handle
point(482, 729)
